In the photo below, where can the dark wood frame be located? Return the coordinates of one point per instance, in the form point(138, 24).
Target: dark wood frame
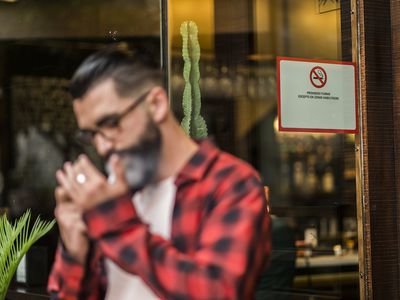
point(395, 20)
point(376, 25)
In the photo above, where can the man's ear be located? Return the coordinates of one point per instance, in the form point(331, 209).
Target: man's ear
point(158, 104)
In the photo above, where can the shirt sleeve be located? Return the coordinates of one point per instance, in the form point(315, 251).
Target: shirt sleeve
point(69, 279)
point(233, 245)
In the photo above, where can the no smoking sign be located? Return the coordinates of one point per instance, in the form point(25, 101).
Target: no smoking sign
point(309, 101)
point(318, 77)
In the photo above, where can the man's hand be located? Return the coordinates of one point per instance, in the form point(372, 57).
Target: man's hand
point(93, 187)
point(72, 228)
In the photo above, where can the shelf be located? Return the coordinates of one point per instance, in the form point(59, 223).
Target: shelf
point(327, 261)
point(307, 210)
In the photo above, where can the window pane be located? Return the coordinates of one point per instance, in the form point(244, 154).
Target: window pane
point(41, 45)
point(311, 176)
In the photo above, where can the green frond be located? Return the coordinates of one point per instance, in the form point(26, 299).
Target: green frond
point(15, 241)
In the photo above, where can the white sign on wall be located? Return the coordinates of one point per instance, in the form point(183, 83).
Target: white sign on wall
point(317, 96)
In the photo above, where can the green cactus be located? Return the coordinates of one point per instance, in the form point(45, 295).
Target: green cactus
point(193, 123)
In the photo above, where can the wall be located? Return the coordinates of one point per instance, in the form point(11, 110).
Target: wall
point(202, 12)
point(311, 34)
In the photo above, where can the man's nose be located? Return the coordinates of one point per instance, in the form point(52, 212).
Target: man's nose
point(103, 145)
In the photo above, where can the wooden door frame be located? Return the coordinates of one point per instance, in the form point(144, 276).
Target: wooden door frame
point(375, 34)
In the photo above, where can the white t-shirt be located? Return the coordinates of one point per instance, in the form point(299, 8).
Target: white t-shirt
point(154, 205)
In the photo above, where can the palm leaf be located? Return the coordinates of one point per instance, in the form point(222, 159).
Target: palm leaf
point(15, 241)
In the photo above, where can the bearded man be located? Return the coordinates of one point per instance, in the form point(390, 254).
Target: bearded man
point(174, 219)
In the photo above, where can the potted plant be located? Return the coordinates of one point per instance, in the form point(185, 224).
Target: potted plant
point(15, 240)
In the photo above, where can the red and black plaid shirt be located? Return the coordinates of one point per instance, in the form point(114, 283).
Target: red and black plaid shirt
point(220, 237)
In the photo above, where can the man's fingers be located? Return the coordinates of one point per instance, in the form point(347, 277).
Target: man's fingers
point(117, 167)
point(65, 209)
point(69, 217)
point(93, 188)
point(71, 176)
point(81, 226)
point(61, 195)
point(67, 180)
point(86, 166)
point(63, 181)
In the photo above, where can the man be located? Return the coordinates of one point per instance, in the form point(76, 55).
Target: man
point(175, 219)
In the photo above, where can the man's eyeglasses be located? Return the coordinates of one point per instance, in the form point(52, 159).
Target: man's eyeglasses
point(109, 124)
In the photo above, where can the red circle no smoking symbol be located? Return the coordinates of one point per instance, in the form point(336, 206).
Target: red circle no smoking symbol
point(318, 77)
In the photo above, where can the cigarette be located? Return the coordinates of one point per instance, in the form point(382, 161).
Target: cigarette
point(111, 175)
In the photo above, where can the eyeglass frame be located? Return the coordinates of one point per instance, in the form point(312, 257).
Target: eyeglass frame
point(107, 122)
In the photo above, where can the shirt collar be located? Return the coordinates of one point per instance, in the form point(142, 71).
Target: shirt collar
point(199, 163)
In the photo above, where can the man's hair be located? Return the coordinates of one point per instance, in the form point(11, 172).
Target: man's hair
point(130, 73)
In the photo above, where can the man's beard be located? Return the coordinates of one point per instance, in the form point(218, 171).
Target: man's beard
point(141, 161)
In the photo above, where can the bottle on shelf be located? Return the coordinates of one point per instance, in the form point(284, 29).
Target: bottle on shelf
point(211, 84)
point(252, 85)
point(328, 181)
point(225, 83)
point(239, 87)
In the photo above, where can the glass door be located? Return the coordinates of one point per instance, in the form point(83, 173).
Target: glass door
point(41, 45)
point(311, 177)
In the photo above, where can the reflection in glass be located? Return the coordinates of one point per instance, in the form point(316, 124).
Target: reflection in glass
point(311, 176)
point(41, 44)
